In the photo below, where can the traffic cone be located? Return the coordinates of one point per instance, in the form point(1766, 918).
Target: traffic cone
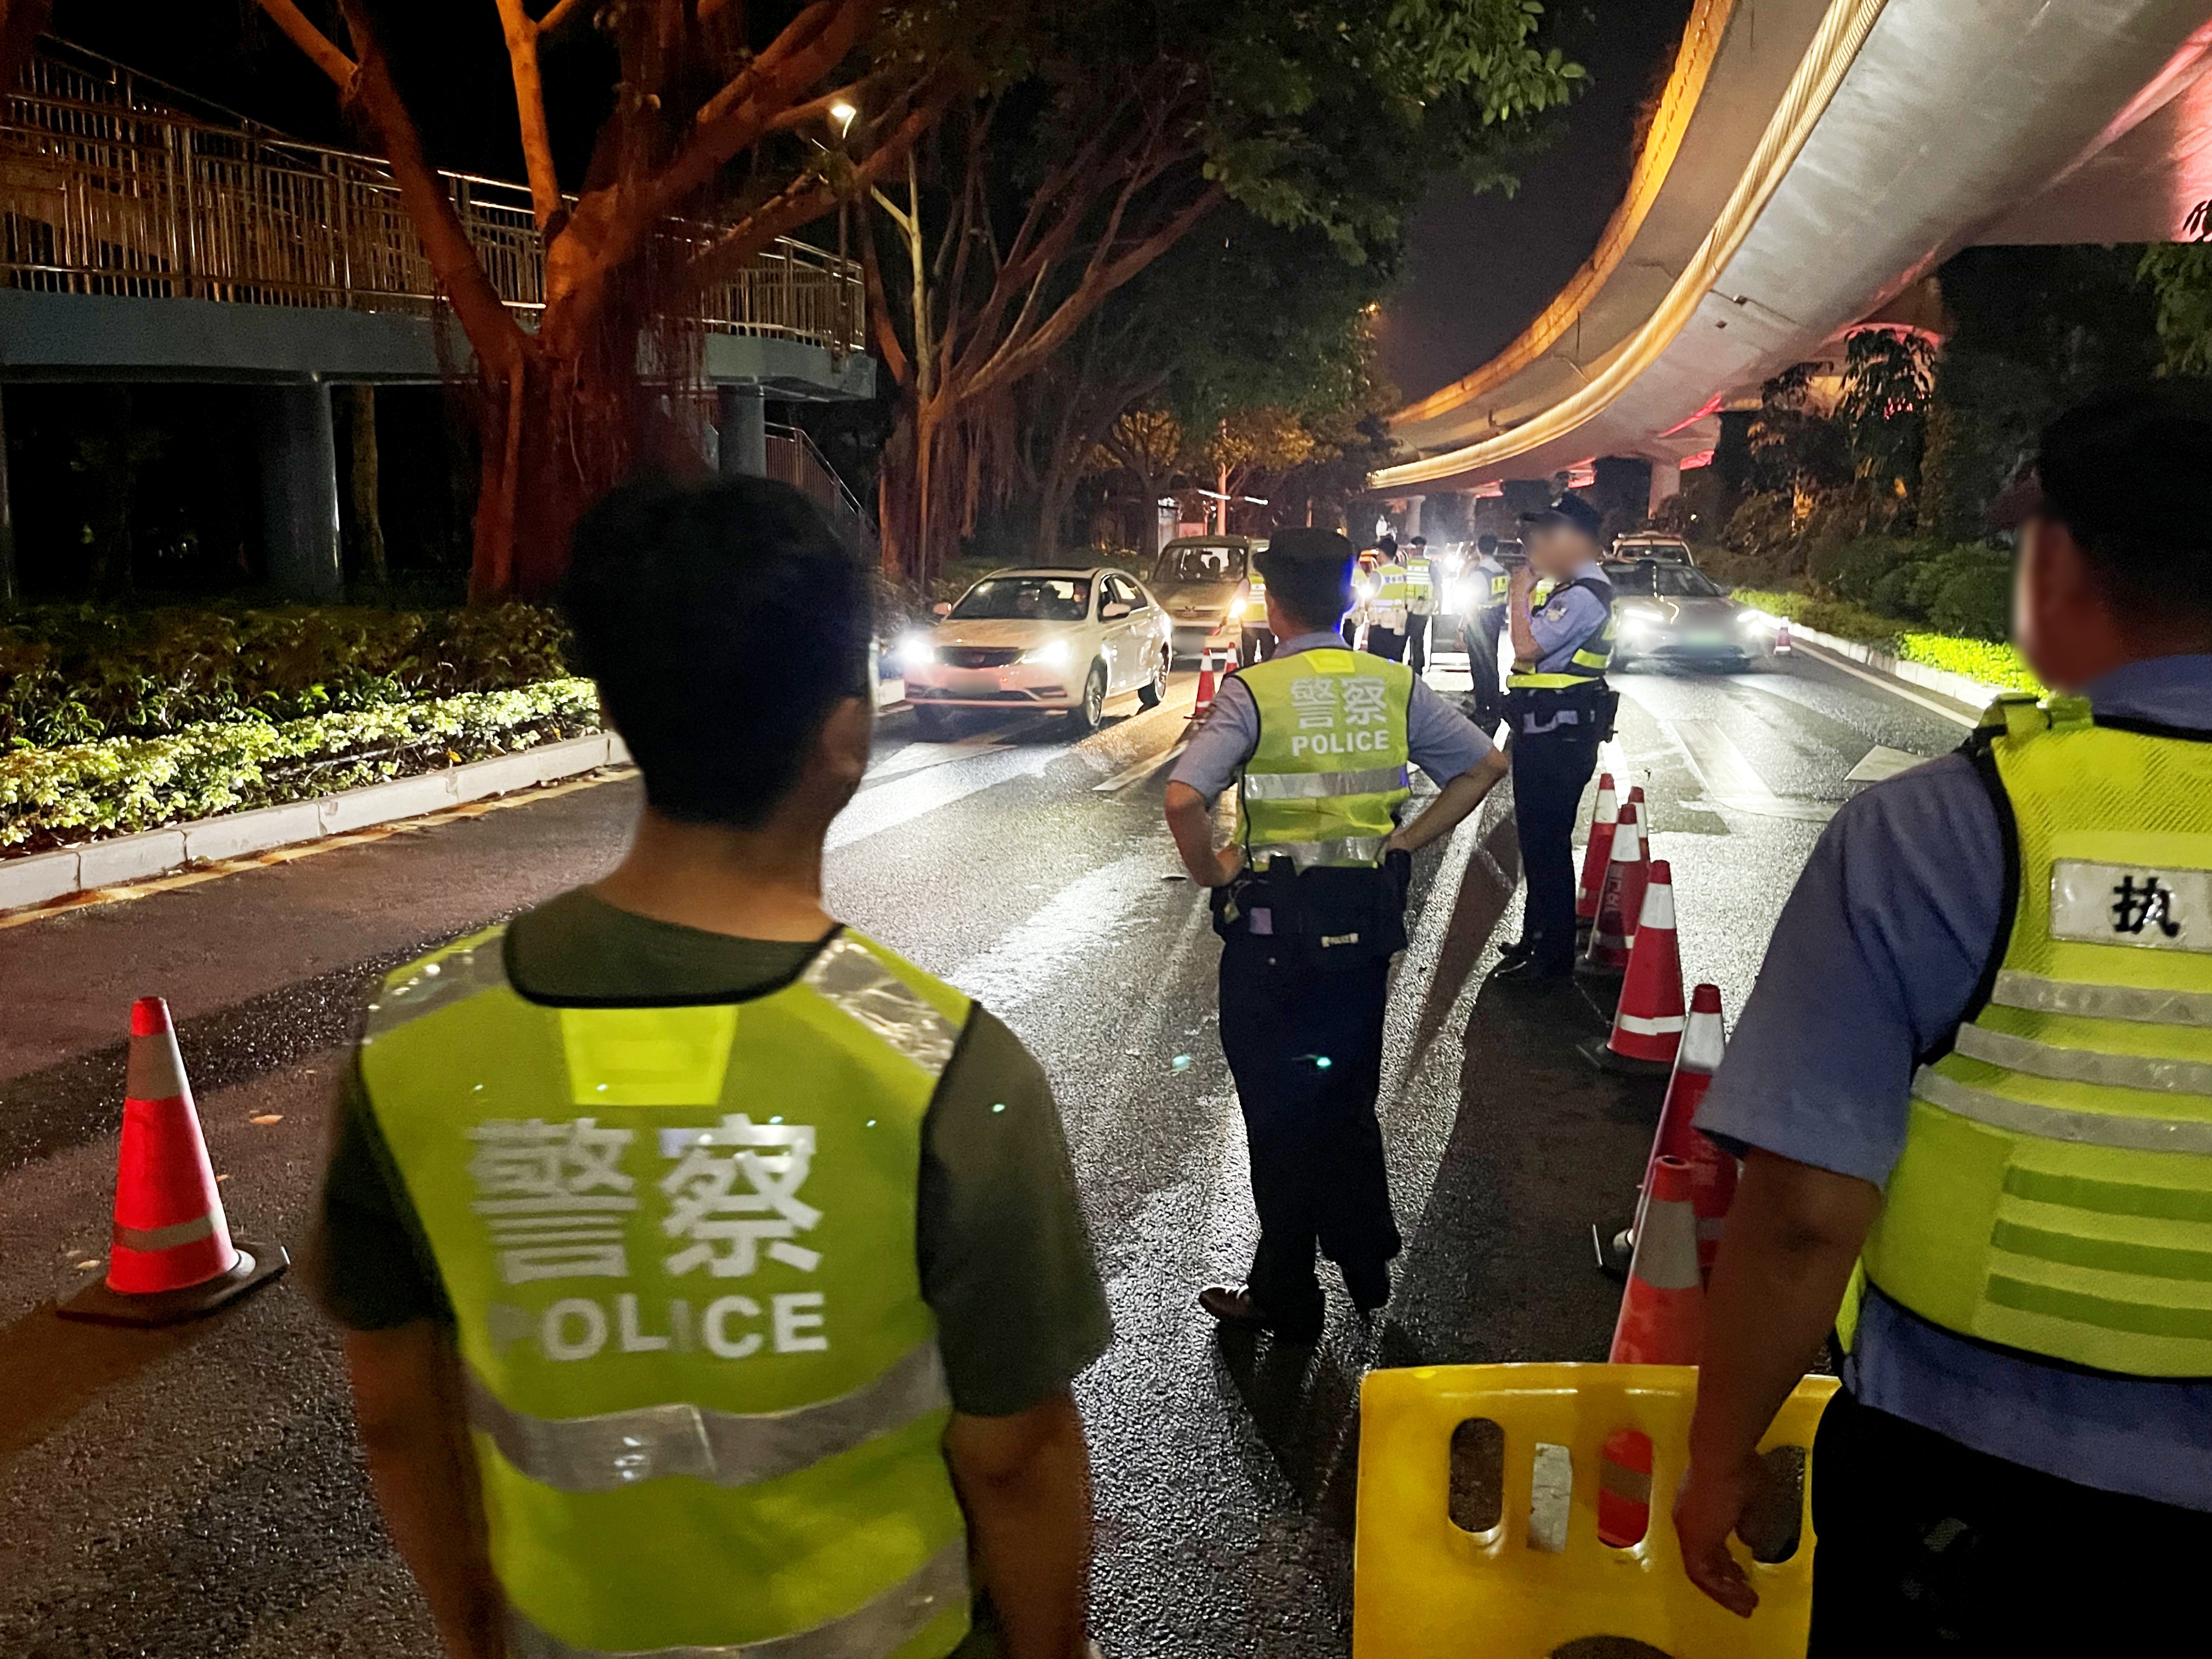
point(1596, 855)
point(1647, 1026)
point(1663, 1322)
point(1208, 682)
point(1781, 638)
point(170, 1255)
point(1621, 902)
point(1712, 1171)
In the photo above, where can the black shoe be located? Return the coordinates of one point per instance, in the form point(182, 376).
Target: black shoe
point(1369, 1286)
point(1235, 1304)
point(1514, 951)
point(1535, 973)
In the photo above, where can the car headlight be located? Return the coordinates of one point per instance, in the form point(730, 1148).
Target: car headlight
point(916, 651)
point(1236, 609)
point(1750, 621)
point(1637, 624)
point(1365, 590)
point(1052, 651)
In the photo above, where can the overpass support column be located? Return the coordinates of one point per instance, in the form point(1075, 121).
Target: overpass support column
point(300, 492)
point(1666, 482)
point(1527, 495)
point(744, 429)
point(1622, 489)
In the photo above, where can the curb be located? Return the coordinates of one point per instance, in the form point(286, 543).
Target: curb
point(44, 877)
point(1957, 687)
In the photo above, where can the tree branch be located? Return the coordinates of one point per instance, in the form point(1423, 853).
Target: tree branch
point(880, 311)
point(567, 12)
point(545, 204)
point(319, 46)
point(500, 342)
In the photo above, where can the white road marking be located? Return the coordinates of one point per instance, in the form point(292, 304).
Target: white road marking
point(1731, 780)
point(1143, 770)
point(1078, 920)
point(1881, 761)
point(904, 800)
point(919, 756)
point(1892, 687)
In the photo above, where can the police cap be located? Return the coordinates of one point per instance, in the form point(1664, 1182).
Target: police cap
point(1305, 544)
point(1571, 510)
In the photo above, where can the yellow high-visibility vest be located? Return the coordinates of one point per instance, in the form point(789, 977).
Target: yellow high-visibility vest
point(1324, 783)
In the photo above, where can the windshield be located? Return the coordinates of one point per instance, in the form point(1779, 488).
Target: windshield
point(1026, 598)
point(1648, 579)
point(1199, 564)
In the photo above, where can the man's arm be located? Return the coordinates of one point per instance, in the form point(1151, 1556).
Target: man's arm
point(1793, 1234)
point(407, 1398)
point(1025, 1483)
point(1190, 821)
point(1523, 628)
point(1459, 798)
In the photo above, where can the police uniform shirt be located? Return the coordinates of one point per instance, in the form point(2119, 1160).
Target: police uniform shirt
point(1440, 740)
point(1567, 620)
point(1874, 962)
point(1482, 578)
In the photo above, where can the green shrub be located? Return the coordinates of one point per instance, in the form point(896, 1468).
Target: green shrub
point(1837, 616)
point(1991, 663)
point(70, 674)
point(122, 785)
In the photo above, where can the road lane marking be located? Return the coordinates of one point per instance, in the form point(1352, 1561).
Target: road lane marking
point(1142, 769)
point(1082, 918)
point(920, 756)
point(1882, 761)
point(1731, 780)
point(902, 800)
point(1895, 689)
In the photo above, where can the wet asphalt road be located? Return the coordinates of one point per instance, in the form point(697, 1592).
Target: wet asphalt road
point(197, 1493)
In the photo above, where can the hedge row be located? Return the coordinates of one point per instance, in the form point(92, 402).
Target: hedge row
point(122, 785)
point(1985, 660)
point(75, 675)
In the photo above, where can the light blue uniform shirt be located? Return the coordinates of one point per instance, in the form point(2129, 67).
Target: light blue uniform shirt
point(1873, 963)
point(1568, 619)
point(1442, 741)
point(1490, 618)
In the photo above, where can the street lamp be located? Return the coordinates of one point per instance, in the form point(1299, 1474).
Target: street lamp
point(843, 113)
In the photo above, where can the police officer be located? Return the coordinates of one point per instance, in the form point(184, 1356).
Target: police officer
point(1308, 899)
point(713, 1278)
point(1560, 708)
point(1974, 1088)
point(1489, 591)
point(1385, 602)
point(1420, 602)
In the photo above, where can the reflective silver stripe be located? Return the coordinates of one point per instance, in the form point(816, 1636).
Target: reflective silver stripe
point(871, 1631)
point(163, 1238)
point(1351, 849)
point(1639, 1025)
point(2057, 996)
point(730, 1448)
point(848, 974)
point(2020, 1054)
point(2020, 1117)
point(430, 986)
point(1322, 785)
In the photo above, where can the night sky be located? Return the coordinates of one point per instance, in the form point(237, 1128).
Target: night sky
point(1480, 267)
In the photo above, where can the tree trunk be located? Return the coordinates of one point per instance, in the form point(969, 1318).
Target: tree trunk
point(910, 501)
point(367, 513)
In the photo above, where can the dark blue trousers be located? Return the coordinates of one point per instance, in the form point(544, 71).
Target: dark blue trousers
point(1305, 1045)
point(1549, 770)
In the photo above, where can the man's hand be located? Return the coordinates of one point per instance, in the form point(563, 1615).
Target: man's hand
point(1190, 821)
point(1706, 1511)
point(1523, 581)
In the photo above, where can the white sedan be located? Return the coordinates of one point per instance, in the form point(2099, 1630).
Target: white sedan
point(1040, 639)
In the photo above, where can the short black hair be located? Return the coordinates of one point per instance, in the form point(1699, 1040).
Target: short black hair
point(1386, 544)
point(1486, 543)
point(1309, 572)
point(723, 621)
point(2129, 473)
point(1419, 541)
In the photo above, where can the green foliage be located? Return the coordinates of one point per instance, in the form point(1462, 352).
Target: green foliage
point(72, 675)
point(1887, 376)
point(2000, 665)
point(1965, 591)
point(1838, 616)
point(1989, 662)
point(2180, 274)
point(123, 785)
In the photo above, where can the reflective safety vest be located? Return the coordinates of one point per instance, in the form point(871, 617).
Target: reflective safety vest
point(2054, 1192)
point(1420, 586)
point(1584, 664)
point(1324, 784)
point(1494, 589)
point(1388, 607)
point(703, 1386)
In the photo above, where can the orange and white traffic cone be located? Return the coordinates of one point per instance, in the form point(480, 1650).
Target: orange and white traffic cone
point(1663, 1322)
point(1209, 683)
point(1647, 1026)
point(1620, 903)
point(1781, 638)
point(1712, 1171)
point(1597, 855)
point(170, 1257)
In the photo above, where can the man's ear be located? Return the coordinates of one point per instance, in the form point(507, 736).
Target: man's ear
point(846, 737)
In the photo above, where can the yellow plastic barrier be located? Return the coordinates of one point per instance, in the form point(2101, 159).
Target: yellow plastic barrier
point(1425, 1588)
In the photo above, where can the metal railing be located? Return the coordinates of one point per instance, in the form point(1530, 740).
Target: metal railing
point(108, 185)
point(793, 458)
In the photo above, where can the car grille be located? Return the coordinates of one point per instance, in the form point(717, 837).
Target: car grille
point(979, 656)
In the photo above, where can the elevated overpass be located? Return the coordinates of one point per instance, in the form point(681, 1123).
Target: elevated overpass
point(145, 236)
point(1807, 163)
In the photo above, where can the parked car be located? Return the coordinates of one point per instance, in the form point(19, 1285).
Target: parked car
point(1072, 640)
point(1650, 544)
point(1214, 594)
point(1668, 612)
